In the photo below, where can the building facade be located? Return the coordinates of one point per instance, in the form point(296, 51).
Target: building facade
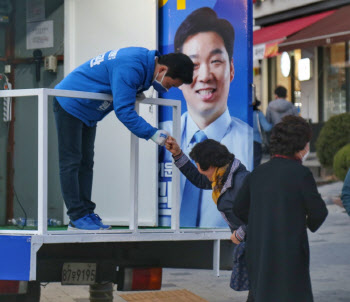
point(304, 46)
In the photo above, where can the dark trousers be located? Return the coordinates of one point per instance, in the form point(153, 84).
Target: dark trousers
point(250, 297)
point(76, 160)
point(257, 154)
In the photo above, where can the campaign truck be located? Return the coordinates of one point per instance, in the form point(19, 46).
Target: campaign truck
point(31, 254)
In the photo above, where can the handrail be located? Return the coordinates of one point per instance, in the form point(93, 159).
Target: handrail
point(43, 94)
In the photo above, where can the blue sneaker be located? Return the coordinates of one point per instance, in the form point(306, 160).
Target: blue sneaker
point(84, 223)
point(98, 221)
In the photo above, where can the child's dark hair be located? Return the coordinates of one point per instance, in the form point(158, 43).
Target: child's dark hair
point(211, 153)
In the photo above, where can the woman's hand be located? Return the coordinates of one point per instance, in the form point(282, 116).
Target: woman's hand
point(172, 146)
point(234, 239)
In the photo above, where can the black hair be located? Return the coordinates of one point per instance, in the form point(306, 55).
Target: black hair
point(179, 66)
point(205, 19)
point(211, 153)
point(281, 92)
point(289, 136)
point(256, 104)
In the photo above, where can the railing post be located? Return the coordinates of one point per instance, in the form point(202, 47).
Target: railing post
point(216, 257)
point(175, 192)
point(42, 161)
point(134, 178)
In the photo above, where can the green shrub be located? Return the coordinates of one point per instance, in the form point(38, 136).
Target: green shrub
point(341, 163)
point(333, 136)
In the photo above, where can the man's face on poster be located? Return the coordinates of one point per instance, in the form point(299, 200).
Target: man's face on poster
point(213, 73)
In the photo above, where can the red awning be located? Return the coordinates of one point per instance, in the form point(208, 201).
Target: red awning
point(332, 29)
point(270, 36)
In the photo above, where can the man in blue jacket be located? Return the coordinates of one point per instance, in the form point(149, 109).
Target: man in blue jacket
point(124, 73)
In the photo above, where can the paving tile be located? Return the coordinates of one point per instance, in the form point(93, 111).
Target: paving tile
point(164, 296)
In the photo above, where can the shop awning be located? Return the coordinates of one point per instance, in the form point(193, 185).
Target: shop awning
point(332, 29)
point(266, 40)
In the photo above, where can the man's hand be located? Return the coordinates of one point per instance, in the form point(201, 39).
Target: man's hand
point(160, 137)
point(234, 239)
point(172, 146)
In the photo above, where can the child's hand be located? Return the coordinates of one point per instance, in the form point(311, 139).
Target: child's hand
point(234, 239)
point(172, 146)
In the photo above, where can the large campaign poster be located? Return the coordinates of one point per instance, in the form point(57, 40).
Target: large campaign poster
point(217, 36)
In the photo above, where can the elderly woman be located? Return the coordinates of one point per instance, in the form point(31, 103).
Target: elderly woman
point(280, 201)
point(217, 170)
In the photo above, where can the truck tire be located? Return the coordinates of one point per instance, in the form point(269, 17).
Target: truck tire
point(32, 295)
point(101, 292)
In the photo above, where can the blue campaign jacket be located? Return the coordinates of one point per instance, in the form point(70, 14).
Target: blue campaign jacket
point(122, 73)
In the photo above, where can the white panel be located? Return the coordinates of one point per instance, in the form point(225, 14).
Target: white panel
point(93, 27)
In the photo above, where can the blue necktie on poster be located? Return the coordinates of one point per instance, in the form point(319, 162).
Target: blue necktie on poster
point(191, 198)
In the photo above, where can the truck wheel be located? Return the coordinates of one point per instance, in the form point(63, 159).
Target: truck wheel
point(101, 292)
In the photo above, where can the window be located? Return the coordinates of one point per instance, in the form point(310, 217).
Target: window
point(334, 80)
point(291, 83)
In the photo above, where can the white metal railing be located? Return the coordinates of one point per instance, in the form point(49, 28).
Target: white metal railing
point(43, 95)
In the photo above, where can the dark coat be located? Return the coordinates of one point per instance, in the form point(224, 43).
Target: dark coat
point(232, 184)
point(278, 201)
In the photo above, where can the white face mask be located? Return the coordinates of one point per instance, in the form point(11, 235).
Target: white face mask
point(159, 85)
point(303, 158)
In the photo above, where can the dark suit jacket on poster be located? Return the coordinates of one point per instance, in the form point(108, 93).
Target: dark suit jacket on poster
point(278, 201)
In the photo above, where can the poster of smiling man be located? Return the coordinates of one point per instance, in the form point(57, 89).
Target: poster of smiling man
point(217, 36)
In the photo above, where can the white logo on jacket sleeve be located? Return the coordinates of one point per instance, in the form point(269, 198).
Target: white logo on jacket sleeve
point(104, 105)
point(113, 54)
point(97, 60)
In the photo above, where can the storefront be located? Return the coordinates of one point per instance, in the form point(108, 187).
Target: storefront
point(328, 42)
point(310, 57)
point(272, 67)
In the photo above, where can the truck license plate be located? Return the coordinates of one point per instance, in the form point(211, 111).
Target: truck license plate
point(78, 273)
